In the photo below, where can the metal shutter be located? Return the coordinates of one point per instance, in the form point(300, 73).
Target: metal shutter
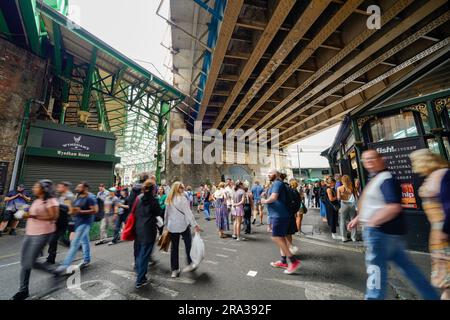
point(74, 171)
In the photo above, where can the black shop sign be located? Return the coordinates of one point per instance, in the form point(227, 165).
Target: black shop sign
point(396, 156)
point(3, 175)
point(68, 141)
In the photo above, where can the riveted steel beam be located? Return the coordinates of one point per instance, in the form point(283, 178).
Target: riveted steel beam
point(308, 17)
point(390, 14)
point(443, 47)
point(344, 12)
point(276, 20)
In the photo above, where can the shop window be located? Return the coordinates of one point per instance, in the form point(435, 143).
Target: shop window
point(394, 127)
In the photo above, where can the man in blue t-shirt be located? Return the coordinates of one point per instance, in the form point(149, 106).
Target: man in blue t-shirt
point(14, 200)
point(381, 213)
point(279, 219)
point(84, 208)
point(257, 190)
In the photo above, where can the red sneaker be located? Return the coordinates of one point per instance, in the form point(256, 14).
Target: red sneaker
point(292, 267)
point(279, 264)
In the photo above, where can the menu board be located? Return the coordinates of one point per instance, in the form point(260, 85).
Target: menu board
point(396, 156)
point(3, 175)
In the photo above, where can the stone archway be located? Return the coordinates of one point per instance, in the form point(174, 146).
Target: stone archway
point(237, 173)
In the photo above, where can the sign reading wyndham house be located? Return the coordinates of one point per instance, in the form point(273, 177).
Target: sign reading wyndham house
point(68, 141)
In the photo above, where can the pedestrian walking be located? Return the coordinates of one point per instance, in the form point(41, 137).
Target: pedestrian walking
point(248, 205)
point(221, 210)
point(65, 199)
point(316, 193)
point(162, 197)
point(146, 211)
point(238, 210)
point(111, 207)
point(435, 195)
point(121, 216)
point(178, 221)
point(84, 209)
point(40, 226)
point(332, 207)
point(229, 189)
point(381, 214)
point(279, 218)
point(257, 190)
point(207, 203)
point(347, 212)
point(294, 205)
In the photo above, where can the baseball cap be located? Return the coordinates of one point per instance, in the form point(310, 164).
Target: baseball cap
point(112, 189)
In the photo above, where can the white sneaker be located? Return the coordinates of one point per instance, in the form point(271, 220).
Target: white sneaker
point(175, 273)
point(335, 237)
point(190, 268)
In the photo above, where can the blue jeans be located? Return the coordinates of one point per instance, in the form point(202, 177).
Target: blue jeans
point(382, 248)
point(206, 209)
point(142, 260)
point(81, 237)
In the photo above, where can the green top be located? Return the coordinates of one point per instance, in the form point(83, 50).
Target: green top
point(162, 201)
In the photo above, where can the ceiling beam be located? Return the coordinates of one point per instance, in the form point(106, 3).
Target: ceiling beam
point(308, 17)
point(391, 35)
point(306, 53)
point(429, 51)
point(276, 20)
point(230, 16)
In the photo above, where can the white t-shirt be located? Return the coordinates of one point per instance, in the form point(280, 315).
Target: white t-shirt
point(219, 194)
point(229, 192)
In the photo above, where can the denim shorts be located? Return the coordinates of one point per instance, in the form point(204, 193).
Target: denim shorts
point(279, 226)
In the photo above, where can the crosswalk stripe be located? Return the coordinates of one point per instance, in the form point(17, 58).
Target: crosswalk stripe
point(227, 249)
point(221, 255)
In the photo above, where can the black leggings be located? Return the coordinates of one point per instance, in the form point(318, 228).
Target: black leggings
point(332, 218)
point(174, 247)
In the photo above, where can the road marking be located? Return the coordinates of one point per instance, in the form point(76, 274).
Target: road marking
point(221, 255)
point(131, 276)
point(232, 250)
point(252, 273)
point(323, 290)
point(211, 262)
point(8, 256)
point(9, 264)
point(330, 245)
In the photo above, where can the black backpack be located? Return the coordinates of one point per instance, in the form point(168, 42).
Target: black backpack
point(101, 210)
point(293, 200)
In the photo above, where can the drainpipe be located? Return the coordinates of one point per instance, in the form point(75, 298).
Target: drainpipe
point(20, 144)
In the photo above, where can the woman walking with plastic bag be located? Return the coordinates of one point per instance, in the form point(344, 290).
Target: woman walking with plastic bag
point(178, 220)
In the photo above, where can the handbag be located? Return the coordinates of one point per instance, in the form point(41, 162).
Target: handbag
point(129, 231)
point(164, 241)
point(303, 208)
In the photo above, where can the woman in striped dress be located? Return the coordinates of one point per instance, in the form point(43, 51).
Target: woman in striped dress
point(221, 210)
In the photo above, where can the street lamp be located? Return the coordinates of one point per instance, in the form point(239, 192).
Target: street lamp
point(299, 168)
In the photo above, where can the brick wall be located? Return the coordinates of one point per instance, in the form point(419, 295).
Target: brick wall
point(21, 78)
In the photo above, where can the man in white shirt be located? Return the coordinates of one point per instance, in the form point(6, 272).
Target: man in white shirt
point(380, 211)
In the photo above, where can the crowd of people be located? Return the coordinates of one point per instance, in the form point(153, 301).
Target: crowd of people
point(159, 211)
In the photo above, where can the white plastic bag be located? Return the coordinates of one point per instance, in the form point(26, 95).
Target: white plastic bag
point(197, 249)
